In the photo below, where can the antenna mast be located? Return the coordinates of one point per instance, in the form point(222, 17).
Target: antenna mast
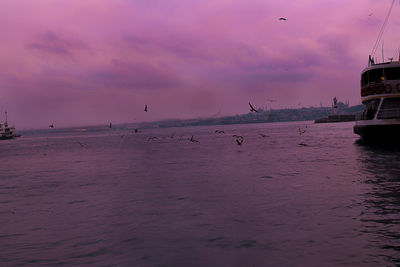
point(378, 40)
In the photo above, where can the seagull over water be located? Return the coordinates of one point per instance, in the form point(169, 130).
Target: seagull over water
point(239, 139)
point(252, 109)
point(302, 131)
point(282, 18)
point(193, 140)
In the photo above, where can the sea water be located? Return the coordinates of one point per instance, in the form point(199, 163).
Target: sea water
point(293, 194)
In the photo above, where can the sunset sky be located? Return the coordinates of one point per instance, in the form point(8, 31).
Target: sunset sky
point(74, 62)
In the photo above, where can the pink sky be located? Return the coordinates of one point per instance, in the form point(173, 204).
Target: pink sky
point(74, 62)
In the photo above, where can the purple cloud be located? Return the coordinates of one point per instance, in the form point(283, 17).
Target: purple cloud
point(86, 62)
point(52, 43)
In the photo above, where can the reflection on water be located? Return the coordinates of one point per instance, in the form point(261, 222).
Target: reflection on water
point(381, 217)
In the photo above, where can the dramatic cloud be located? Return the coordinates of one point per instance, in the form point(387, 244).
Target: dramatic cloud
point(90, 62)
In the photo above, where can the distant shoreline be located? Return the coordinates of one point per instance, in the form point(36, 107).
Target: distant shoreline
point(262, 116)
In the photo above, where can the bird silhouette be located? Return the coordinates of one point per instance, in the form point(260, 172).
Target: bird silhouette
point(252, 109)
point(145, 108)
point(193, 140)
point(51, 125)
point(82, 145)
point(282, 18)
point(239, 140)
point(302, 131)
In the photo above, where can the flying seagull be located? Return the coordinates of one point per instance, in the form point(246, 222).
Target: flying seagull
point(145, 108)
point(51, 125)
point(252, 109)
point(282, 18)
point(302, 131)
point(82, 145)
point(239, 140)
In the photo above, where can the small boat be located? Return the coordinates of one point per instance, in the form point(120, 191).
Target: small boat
point(6, 131)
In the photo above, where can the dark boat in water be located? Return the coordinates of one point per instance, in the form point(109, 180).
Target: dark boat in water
point(6, 131)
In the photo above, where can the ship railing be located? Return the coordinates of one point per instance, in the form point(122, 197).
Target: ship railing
point(390, 113)
point(360, 116)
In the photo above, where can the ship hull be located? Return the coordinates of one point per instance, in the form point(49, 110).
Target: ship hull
point(383, 133)
point(6, 137)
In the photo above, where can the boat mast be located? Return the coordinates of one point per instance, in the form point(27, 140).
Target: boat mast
point(382, 30)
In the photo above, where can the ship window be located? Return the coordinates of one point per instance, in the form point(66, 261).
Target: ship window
point(378, 75)
point(375, 75)
point(364, 79)
point(392, 73)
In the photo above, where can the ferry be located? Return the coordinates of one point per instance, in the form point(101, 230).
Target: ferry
point(6, 131)
point(380, 93)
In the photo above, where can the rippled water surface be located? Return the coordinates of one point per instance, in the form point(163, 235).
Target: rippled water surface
point(112, 197)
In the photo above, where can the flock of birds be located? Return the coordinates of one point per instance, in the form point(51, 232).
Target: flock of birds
point(239, 139)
